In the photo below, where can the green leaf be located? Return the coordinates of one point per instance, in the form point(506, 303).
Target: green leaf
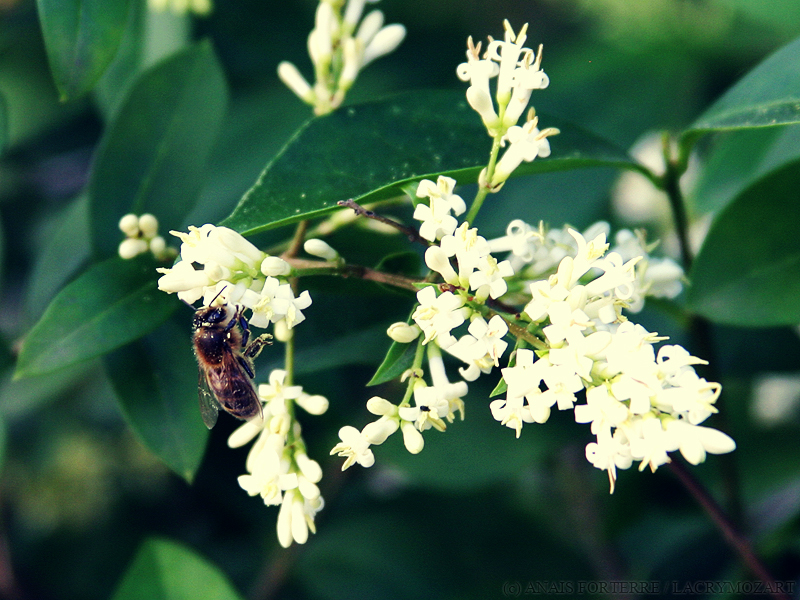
point(368, 152)
point(748, 270)
point(65, 250)
point(153, 155)
point(111, 304)
point(165, 570)
point(155, 379)
point(500, 388)
point(3, 123)
point(398, 359)
point(739, 158)
point(81, 37)
point(768, 95)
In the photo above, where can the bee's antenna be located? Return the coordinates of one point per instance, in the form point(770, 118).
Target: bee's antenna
point(217, 296)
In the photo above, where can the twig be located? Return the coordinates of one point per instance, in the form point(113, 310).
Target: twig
point(411, 233)
point(736, 540)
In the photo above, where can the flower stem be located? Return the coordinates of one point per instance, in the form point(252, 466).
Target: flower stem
point(734, 538)
point(701, 334)
point(483, 188)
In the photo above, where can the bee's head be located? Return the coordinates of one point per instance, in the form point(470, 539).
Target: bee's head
point(210, 316)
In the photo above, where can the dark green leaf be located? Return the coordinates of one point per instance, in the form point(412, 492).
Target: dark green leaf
point(739, 158)
point(111, 304)
point(153, 155)
point(128, 63)
point(155, 379)
point(82, 37)
point(21, 398)
point(370, 151)
point(164, 570)
point(65, 249)
point(768, 95)
point(748, 270)
point(398, 359)
point(3, 123)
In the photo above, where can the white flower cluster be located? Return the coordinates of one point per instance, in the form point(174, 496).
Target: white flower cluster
point(641, 405)
point(278, 468)
point(141, 235)
point(518, 72)
point(434, 404)
point(238, 273)
point(340, 48)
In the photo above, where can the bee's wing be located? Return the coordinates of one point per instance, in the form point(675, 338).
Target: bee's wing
point(209, 407)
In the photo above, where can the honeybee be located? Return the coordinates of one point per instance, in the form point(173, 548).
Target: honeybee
point(226, 363)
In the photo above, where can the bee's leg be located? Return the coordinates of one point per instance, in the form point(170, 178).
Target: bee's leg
point(245, 363)
point(257, 345)
point(245, 328)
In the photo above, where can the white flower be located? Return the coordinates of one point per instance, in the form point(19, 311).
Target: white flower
point(187, 281)
point(526, 143)
point(651, 443)
point(511, 412)
point(354, 447)
point(442, 388)
point(274, 302)
point(562, 383)
point(442, 190)
point(430, 410)
point(482, 347)
point(527, 77)
point(296, 517)
point(438, 315)
point(580, 351)
point(521, 239)
point(602, 410)
point(437, 260)
point(435, 216)
point(267, 478)
point(468, 248)
point(436, 219)
point(694, 441)
point(489, 279)
point(524, 377)
point(609, 453)
point(507, 52)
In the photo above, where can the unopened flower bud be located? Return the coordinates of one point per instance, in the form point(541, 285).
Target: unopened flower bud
point(129, 225)
point(412, 438)
point(148, 225)
point(273, 266)
point(131, 247)
point(308, 467)
point(381, 407)
point(295, 81)
point(313, 405)
point(385, 41)
point(378, 431)
point(158, 245)
point(282, 331)
point(403, 333)
point(316, 247)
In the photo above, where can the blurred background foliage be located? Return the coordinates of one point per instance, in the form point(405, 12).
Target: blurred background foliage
point(79, 493)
